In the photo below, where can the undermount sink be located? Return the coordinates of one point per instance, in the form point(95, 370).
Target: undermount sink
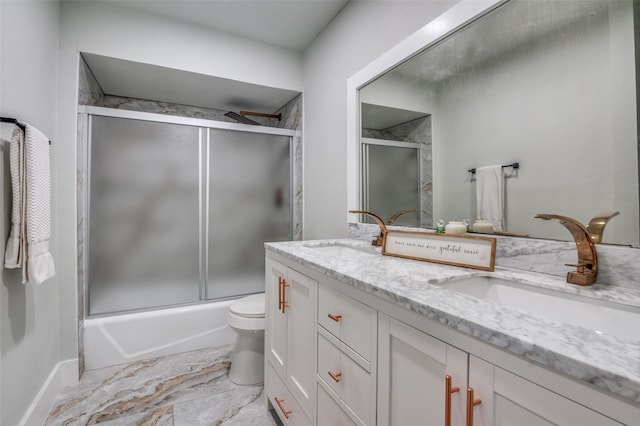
point(341, 250)
point(601, 316)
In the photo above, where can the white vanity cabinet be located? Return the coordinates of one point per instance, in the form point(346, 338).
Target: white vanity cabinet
point(290, 352)
point(416, 372)
point(339, 356)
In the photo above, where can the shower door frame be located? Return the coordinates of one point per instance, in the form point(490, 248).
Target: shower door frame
point(84, 168)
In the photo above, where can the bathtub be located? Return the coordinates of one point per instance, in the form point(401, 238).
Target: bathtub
point(120, 339)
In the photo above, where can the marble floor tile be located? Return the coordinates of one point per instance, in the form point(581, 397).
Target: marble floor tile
point(235, 407)
point(193, 386)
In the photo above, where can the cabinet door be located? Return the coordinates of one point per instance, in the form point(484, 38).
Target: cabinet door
point(276, 328)
point(510, 400)
point(412, 367)
point(300, 298)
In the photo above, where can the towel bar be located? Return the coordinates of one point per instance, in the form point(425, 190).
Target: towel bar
point(514, 165)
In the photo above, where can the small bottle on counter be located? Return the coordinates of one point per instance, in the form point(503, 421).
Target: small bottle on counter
point(440, 226)
point(467, 224)
point(482, 226)
point(455, 227)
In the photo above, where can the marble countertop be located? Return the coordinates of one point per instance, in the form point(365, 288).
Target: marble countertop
point(606, 361)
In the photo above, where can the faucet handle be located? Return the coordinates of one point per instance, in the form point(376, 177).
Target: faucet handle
point(581, 266)
point(583, 275)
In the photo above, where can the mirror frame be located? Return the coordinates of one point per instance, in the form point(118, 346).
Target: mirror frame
point(458, 16)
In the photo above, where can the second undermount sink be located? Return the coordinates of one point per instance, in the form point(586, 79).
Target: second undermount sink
point(341, 250)
point(601, 316)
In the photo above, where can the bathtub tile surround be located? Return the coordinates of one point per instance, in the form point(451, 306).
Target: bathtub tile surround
point(89, 91)
point(187, 389)
point(603, 360)
point(80, 209)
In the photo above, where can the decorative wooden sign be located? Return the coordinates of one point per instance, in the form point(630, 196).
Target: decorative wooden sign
point(468, 251)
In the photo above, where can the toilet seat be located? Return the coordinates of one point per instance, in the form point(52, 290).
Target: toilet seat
point(249, 306)
point(247, 313)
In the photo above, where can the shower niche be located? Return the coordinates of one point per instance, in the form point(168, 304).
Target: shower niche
point(177, 210)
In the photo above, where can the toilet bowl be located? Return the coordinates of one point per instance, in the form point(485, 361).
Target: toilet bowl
point(246, 318)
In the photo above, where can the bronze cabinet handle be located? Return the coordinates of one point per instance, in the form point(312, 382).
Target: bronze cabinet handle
point(471, 402)
point(448, 391)
point(336, 318)
point(335, 377)
point(284, 411)
point(284, 304)
point(280, 280)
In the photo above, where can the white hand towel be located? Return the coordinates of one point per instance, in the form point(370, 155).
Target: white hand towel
point(31, 215)
point(490, 195)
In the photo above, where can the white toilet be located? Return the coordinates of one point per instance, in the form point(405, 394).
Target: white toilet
point(246, 317)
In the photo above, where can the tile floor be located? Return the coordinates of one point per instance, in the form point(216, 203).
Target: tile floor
point(189, 389)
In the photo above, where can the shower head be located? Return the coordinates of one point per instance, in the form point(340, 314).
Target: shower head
point(241, 118)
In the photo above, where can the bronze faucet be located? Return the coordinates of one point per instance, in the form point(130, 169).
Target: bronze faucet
point(377, 241)
point(597, 224)
point(587, 266)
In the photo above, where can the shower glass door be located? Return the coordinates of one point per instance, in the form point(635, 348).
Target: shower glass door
point(144, 206)
point(179, 214)
point(249, 198)
point(391, 180)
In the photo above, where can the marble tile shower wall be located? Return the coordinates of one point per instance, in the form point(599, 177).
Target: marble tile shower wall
point(617, 265)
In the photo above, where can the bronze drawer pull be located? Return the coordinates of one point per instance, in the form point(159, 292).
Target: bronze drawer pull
point(336, 318)
point(284, 411)
point(335, 377)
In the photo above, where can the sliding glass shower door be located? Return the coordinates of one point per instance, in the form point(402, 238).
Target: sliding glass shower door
point(179, 214)
point(249, 203)
point(143, 215)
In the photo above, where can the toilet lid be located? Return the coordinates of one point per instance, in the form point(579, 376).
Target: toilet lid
point(249, 307)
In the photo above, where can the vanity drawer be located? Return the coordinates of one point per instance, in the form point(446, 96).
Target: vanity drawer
point(330, 413)
point(348, 320)
point(282, 401)
point(345, 377)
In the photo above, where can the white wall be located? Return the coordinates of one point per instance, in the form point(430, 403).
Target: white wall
point(29, 331)
point(358, 35)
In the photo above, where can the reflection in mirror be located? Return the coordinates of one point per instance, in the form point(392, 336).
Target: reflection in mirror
point(396, 164)
point(548, 84)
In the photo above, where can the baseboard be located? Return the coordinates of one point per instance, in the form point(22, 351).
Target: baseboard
point(65, 373)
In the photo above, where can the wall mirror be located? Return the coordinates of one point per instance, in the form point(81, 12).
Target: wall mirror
point(548, 84)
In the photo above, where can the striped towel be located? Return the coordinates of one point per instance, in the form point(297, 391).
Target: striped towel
point(29, 239)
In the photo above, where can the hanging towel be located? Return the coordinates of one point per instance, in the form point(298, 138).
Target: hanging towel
point(29, 239)
point(490, 195)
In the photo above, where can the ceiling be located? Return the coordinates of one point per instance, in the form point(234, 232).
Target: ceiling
point(291, 24)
